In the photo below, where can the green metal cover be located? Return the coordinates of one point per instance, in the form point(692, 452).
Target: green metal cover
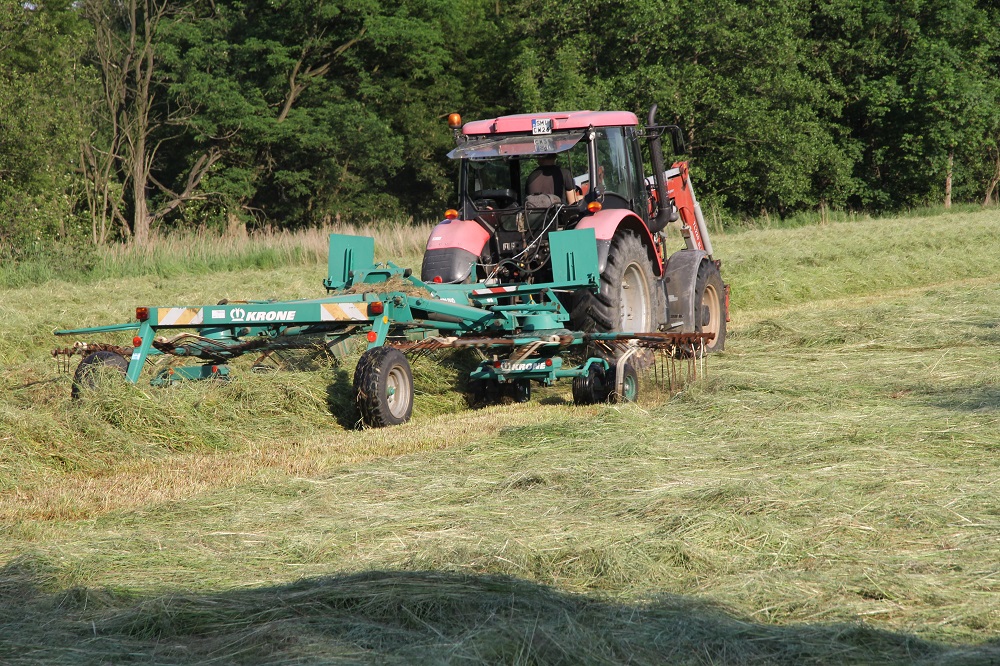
point(348, 253)
point(574, 256)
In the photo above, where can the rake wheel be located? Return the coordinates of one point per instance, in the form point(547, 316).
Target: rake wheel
point(518, 390)
point(590, 389)
point(628, 390)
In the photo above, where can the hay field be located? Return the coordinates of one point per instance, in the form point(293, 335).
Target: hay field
point(827, 495)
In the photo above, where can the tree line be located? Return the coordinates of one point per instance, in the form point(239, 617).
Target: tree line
point(119, 117)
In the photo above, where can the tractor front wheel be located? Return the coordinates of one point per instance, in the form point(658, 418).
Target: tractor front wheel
point(383, 384)
point(91, 369)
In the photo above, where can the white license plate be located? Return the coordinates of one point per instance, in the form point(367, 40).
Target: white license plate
point(541, 126)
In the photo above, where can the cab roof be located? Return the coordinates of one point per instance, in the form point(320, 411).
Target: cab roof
point(561, 120)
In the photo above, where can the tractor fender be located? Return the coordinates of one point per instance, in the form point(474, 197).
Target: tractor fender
point(452, 251)
point(611, 221)
point(681, 279)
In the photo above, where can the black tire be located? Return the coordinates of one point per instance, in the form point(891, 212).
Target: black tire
point(616, 307)
point(710, 306)
point(590, 389)
point(483, 392)
point(629, 390)
point(518, 390)
point(383, 386)
point(93, 367)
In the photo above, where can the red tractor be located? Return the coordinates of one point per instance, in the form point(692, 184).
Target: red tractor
point(497, 234)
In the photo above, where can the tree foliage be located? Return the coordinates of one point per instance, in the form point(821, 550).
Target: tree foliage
point(133, 114)
point(43, 89)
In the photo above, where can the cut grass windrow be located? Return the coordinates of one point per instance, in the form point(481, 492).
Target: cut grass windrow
point(826, 495)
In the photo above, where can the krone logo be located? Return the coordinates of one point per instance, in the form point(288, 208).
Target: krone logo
point(241, 315)
point(507, 365)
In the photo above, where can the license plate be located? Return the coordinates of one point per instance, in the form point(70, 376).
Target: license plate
point(541, 126)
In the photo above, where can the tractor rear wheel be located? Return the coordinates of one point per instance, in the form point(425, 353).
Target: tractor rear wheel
point(710, 306)
point(88, 374)
point(383, 384)
point(630, 299)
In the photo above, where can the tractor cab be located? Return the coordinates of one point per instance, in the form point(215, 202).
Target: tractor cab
point(603, 165)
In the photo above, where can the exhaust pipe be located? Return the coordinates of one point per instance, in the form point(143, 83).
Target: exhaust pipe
point(666, 212)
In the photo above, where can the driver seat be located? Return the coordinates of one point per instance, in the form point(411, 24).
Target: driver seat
point(536, 207)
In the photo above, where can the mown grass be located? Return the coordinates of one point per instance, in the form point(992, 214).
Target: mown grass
point(430, 617)
point(826, 495)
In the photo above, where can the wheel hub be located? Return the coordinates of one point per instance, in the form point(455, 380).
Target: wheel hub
point(395, 392)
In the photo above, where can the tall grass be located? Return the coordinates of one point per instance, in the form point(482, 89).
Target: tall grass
point(719, 221)
point(203, 252)
point(779, 267)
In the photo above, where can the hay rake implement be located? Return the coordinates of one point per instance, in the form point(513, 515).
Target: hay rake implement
point(519, 329)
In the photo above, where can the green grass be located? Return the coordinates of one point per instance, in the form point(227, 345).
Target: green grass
point(827, 495)
point(203, 253)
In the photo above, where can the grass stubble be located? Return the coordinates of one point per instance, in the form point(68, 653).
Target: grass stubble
point(826, 495)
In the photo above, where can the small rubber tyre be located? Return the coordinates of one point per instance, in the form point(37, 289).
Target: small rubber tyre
point(383, 386)
point(93, 367)
point(483, 392)
point(590, 389)
point(710, 306)
point(518, 391)
point(629, 389)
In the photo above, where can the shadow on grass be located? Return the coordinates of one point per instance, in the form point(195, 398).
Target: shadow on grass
point(970, 399)
point(458, 364)
point(420, 617)
point(340, 399)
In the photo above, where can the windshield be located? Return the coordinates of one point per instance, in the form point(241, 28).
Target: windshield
point(509, 146)
point(489, 175)
point(501, 181)
point(614, 163)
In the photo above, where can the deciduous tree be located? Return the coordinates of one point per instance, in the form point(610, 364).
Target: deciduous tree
point(136, 117)
point(43, 89)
